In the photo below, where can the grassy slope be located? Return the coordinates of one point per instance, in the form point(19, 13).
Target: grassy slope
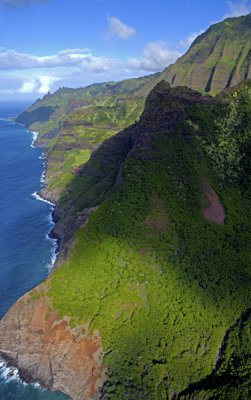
point(74, 122)
point(162, 295)
point(83, 132)
point(51, 111)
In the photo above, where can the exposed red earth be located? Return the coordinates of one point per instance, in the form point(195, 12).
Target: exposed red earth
point(215, 212)
point(43, 347)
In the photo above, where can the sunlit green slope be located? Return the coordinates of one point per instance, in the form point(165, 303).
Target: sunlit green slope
point(72, 123)
point(167, 288)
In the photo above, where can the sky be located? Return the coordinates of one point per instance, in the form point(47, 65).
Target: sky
point(47, 44)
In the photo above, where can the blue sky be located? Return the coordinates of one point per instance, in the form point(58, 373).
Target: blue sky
point(50, 43)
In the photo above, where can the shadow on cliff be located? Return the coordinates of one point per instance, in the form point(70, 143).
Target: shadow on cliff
point(98, 177)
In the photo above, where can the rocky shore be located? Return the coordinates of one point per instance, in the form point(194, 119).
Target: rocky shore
point(44, 348)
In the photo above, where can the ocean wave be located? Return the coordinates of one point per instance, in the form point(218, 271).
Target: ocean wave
point(54, 254)
point(35, 136)
point(54, 242)
point(43, 175)
point(42, 179)
point(10, 374)
point(42, 157)
point(38, 197)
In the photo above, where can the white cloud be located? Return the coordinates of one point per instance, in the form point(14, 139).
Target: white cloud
point(155, 57)
point(28, 87)
point(46, 82)
point(11, 59)
point(41, 85)
point(117, 28)
point(190, 39)
point(238, 8)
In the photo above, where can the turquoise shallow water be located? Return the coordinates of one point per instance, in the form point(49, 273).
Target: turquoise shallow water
point(26, 251)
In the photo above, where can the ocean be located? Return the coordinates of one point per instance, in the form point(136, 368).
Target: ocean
point(26, 251)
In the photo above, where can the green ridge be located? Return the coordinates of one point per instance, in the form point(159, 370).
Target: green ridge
point(164, 295)
point(73, 123)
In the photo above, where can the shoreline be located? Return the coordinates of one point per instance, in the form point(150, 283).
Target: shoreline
point(56, 239)
point(62, 234)
point(9, 372)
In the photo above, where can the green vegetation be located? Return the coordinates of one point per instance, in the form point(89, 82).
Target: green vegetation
point(62, 175)
point(232, 378)
point(86, 129)
point(229, 148)
point(225, 152)
point(160, 283)
point(74, 122)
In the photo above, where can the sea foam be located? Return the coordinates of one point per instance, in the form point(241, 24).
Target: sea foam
point(34, 138)
point(38, 197)
point(10, 374)
point(42, 157)
point(54, 242)
point(42, 179)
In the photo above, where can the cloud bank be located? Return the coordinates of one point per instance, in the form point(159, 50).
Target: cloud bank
point(31, 75)
point(13, 60)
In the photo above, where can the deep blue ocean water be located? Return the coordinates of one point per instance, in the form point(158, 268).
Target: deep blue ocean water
point(26, 252)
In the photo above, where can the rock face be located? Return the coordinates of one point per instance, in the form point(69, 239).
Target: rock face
point(45, 348)
point(218, 59)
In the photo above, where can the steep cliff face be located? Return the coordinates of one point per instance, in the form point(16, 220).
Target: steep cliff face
point(218, 59)
point(44, 348)
point(161, 272)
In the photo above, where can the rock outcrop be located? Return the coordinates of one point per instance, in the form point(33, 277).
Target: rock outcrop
point(44, 348)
